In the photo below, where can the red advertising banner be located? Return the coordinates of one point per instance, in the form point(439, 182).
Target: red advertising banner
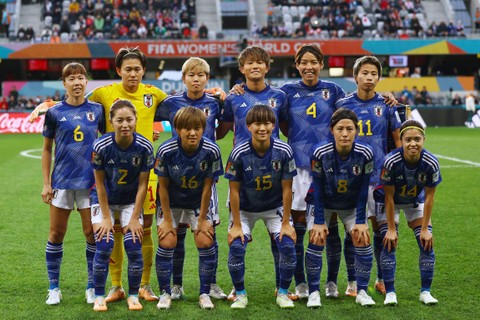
point(17, 122)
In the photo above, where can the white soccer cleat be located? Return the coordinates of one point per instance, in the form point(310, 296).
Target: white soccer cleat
point(390, 299)
point(426, 298)
point(351, 289)
point(217, 292)
point(301, 291)
point(164, 301)
point(177, 292)
point(364, 299)
point(205, 302)
point(331, 290)
point(90, 295)
point(54, 297)
point(284, 301)
point(240, 302)
point(314, 300)
point(232, 295)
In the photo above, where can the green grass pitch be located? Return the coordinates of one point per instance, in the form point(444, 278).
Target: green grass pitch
point(25, 222)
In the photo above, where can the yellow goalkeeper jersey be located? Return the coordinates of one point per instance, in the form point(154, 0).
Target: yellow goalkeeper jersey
point(146, 100)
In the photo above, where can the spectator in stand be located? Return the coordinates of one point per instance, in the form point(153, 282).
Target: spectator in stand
point(99, 23)
point(452, 29)
point(426, 99)
point(477, 19)
point(6, 19)
point(21, 33)
point(13, 94)
point(471, 109)
point(460, 29)
point(457, 100)
point(65, 25)
point(415, 25)
point(442, 29)
point(203, 31)
point(3, 104)
point(417, 73)
point(358, 28)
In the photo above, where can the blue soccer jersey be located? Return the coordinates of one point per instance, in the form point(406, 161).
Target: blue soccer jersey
point(122, 167)
point(74, 128)
point(187, 173)
point(375, 119)
point(261, 176)
point(341, 183)
point(210, 105)
point(237, 106)
point(309, 111)
point(409, 182)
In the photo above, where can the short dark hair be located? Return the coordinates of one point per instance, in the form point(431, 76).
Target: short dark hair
point(130, 53)
point(309, 47)
point(411, 124)
point(119, 104)
point(73, 68)
point(260, 113)
point(367, 60)
point(343, 113)
point(254, 52)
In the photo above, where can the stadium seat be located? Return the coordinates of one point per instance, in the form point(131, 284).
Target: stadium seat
point(287, 18)
point(47, 22)
point(301, 11)
point(285, 10)
point(341, 33)
point(64, 37)
point(367, 34)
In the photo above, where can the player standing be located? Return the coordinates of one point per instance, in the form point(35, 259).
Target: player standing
point(254, 64)
point(187, 166)
point(122, 161)
point(260, 171)
point(73, 125)
point(341, 174)
point(195, 76)
point(409, 179)
point(375, 120)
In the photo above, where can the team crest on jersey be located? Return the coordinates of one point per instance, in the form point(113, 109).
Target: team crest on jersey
point(276, 165)
point(316, 166)
point(326, 94)
point(356, 169)
point(148, 100)
point(90, 116)
point(207, 111)
point(136, 160)
point(272, 102)
point(422, 177)
point(231, 169)
point(203, 165)
point(378, 111)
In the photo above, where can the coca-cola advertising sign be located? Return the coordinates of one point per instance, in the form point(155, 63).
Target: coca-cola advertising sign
point(17, 122)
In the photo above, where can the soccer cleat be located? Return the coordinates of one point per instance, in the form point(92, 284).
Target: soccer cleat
point(380, 286)
point(134, 304)
point(351, 289)
point(90, 295)
point(331, 290)
point(205, 302)
point(54, 297)
point(301, 291)
point(115, 294)
point(314, 300)
point(284, 301)
point(100, 304)
point(390, 299)
point(177, 292)
point(232, 295)
point(426, 298)
point(217, 292)
point(364, 299)
point(164, 301)
point(292, 296)
point(146, 293)
point(240, 302)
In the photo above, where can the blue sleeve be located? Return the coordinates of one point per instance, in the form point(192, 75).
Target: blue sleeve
point(49, 126)
point(319, 212)
point(227, 112)
point(162, 112)
point(102, 124)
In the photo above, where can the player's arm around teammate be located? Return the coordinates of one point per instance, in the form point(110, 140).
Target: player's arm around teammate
point(122, 161)
point(72, 125)
point(409, 178)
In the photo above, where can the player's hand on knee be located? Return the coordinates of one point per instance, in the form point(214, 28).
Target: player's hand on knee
point(234, 233)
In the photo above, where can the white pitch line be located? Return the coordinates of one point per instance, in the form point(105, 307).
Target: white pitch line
point(475, 164)
point(26, 153)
